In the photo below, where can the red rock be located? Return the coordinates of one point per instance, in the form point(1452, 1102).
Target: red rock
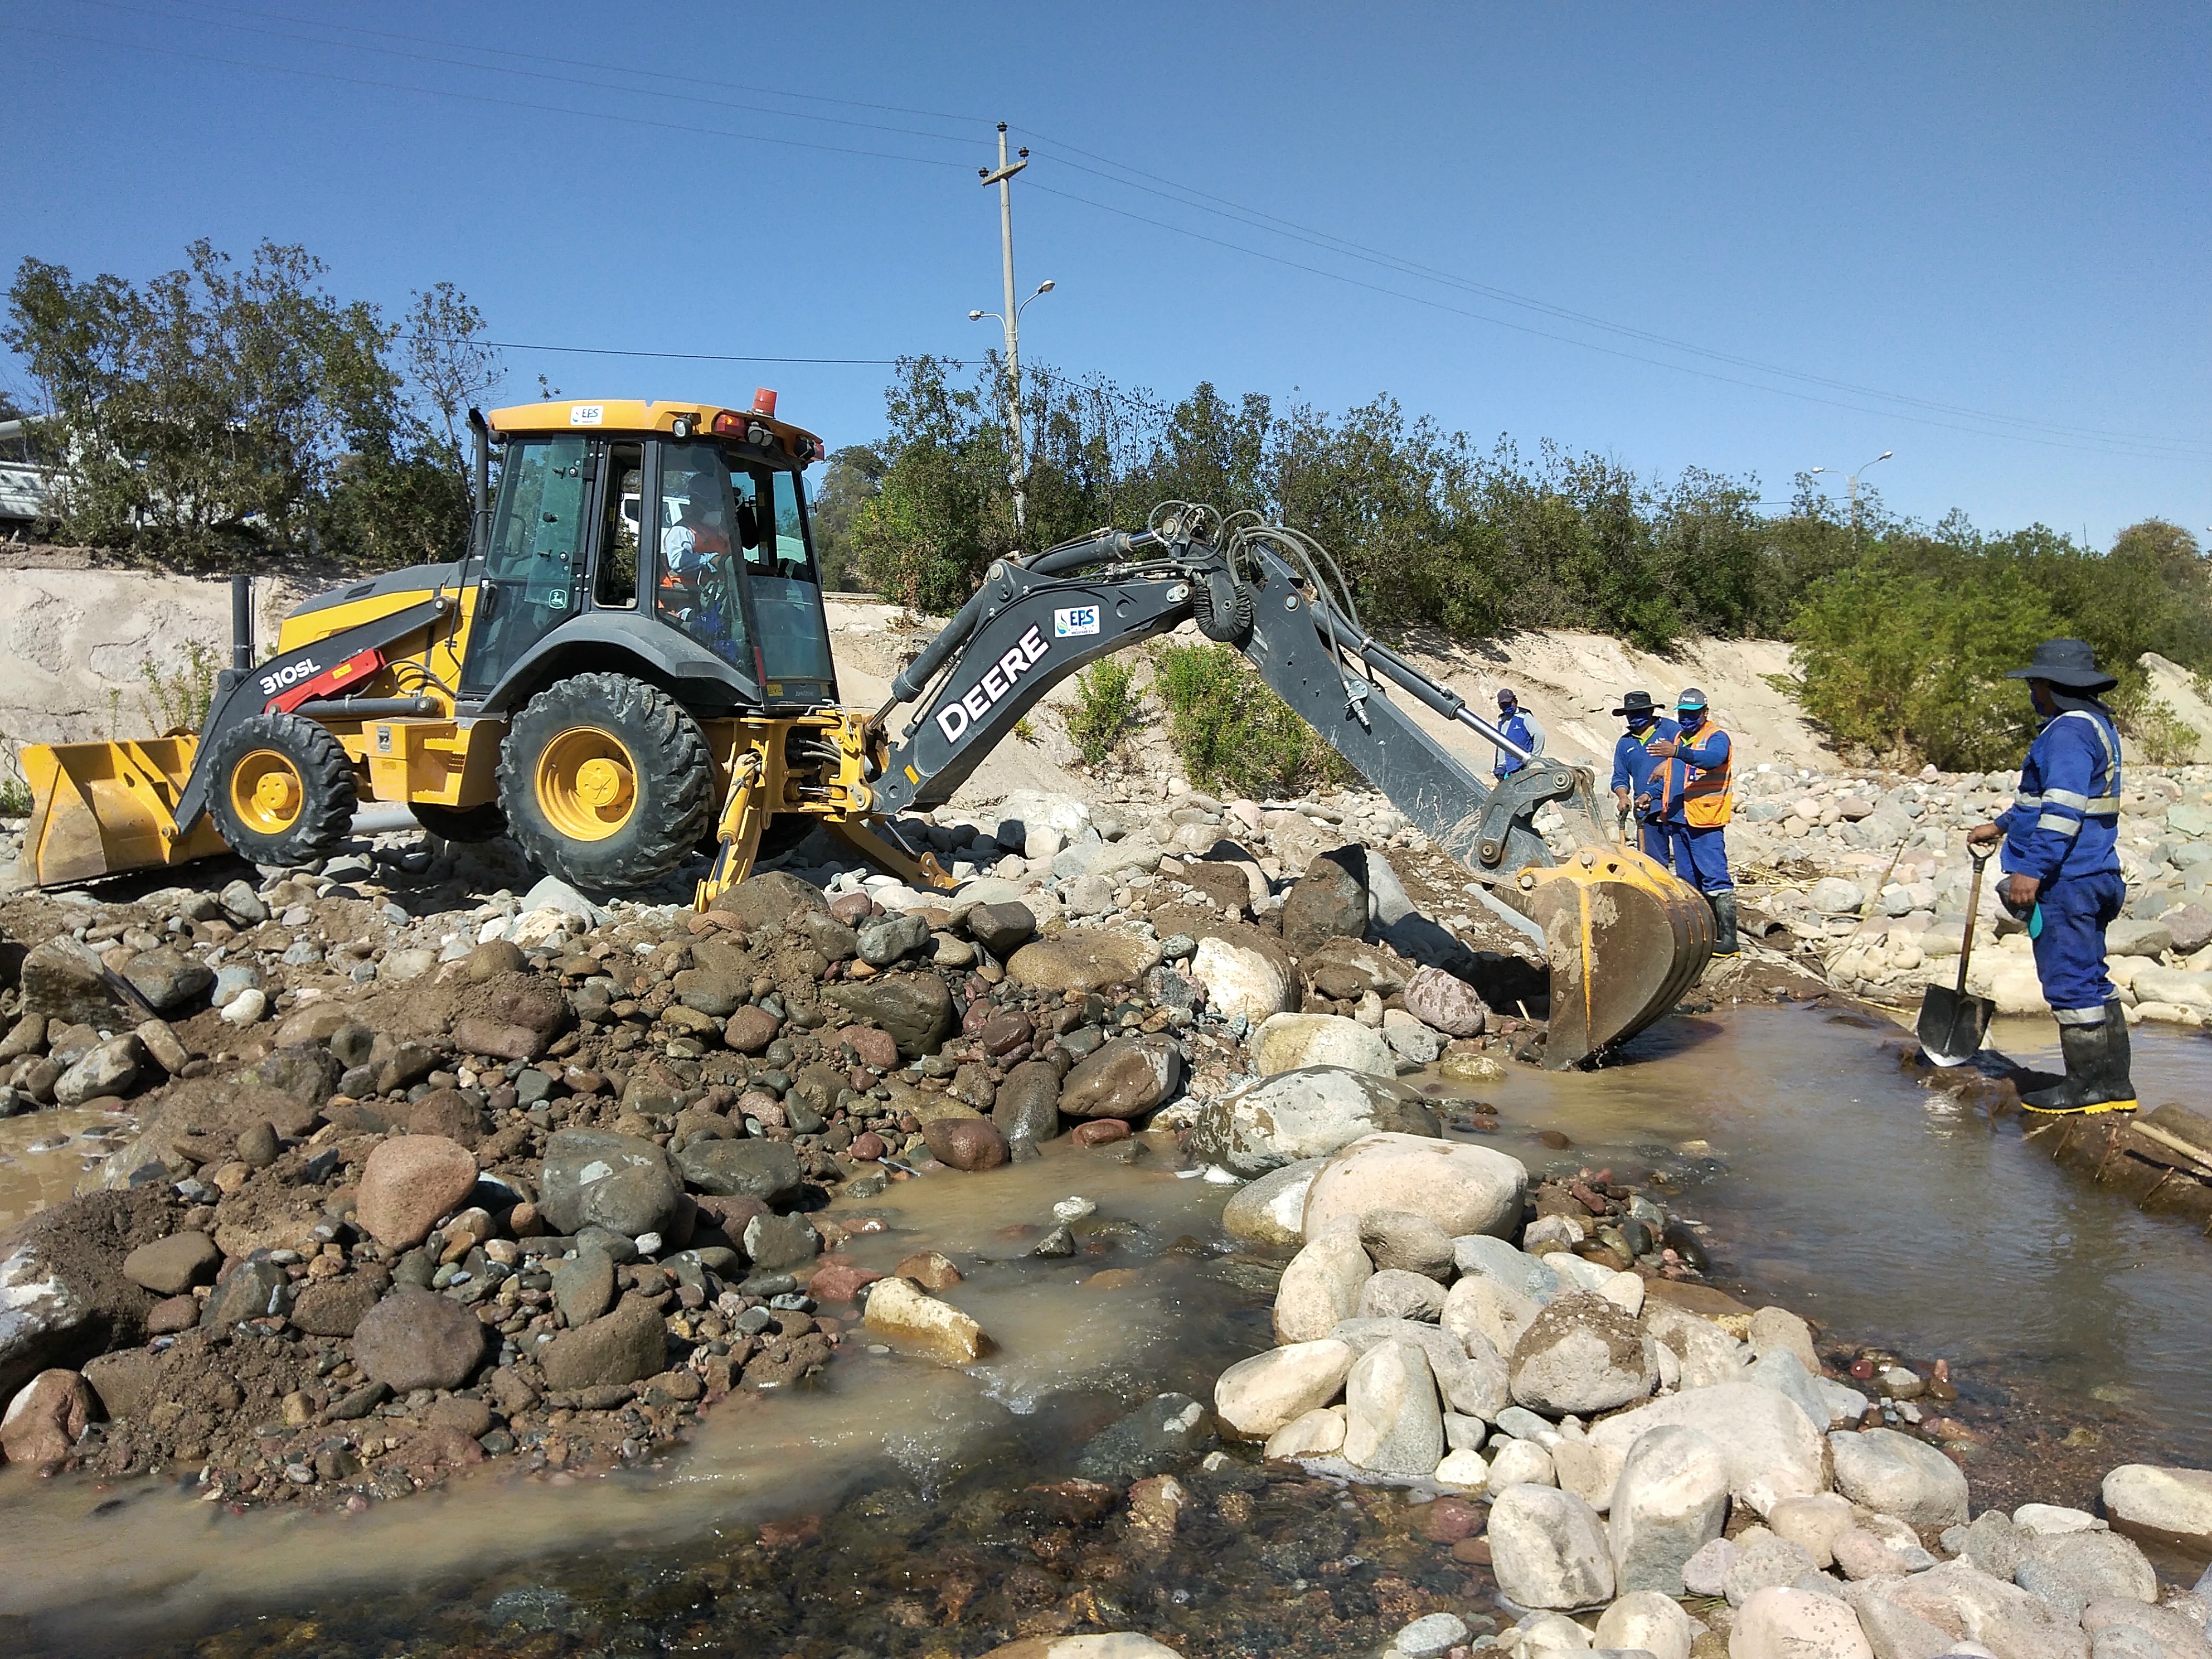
point(477, 1036)
point(761, 1104)
point(966, 1143)
point(173, 1315)
point(868, 1146)
point(1475, 1552)
point(751, 1029)
point(852, 908)
point(1004, 1032)
point(837, 1279)
point(928, 1269)
point(1450, 1519)
point(44, 1418)
point(875, 1047)
point(410, 1182)
point(732, 1215)
point(1099, 1131)
point(798, 1529)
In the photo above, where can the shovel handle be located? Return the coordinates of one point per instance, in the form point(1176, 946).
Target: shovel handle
point(1974, 908)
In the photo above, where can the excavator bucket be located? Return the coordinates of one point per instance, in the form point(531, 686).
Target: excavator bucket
point(1624, 939)
point(101, 808)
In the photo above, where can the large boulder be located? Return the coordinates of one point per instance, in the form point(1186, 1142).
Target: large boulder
point(1462, 1188)
point(1322, 1286)
point(2069, 1571)
point(1773, 1449)
point(171, 1266)
point(1255, 1397)
point(1027, 1104)
point(916, 1009)
point(1581, 1355)
point(900, 1308)
point(1305, 1112)
point(1328, 901)
point(409, 1182)
point(766, 1170)
point(1645, 1621)
point(1445, 1002)
point(591, 1177)
point(44, 1418)
point(416, 1339)
point(1126, 1079)
point(1469, 1375)
point(64, 980)
point(1899, 1475)
point(1272, 1209)
point(1286, 1042)
point(106, 1068)
point(626, 1346)
point(1241, 981)
point(167, 979)
point(1084, 959)
point(1967, 1604)
point(1547, 1548)
point(2167, 1505)
point(1490, 1308)
point(1392, 1422)
point(773, 900)
point(1793, 1624)
point(1667, 1503)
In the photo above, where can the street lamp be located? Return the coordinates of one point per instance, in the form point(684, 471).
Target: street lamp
point(1854, 478)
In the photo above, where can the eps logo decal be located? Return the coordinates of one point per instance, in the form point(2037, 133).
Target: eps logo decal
point(955, 718)
point(1076, 619)
point(587, 414)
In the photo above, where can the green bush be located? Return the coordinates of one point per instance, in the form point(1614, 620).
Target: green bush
point(1231, 731)
point(177, 694)
point(1108, 710)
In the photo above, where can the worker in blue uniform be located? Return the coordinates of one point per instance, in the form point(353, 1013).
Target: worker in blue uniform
point(2061, 859)
point(1634, 765)
point(1519, 727)
point(1696, 800)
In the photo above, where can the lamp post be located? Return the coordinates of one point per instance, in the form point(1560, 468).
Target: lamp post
point(1854, 477)
point(1017, 472)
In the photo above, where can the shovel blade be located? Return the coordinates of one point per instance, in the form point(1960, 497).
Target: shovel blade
point(1952, 1023)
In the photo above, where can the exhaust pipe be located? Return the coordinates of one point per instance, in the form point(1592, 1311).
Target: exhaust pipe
point(242, 624)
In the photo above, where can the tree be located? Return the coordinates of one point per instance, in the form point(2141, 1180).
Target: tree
point(450, 364)
point(852, 478)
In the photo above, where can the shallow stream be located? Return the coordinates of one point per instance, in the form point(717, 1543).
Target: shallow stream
point(1828, 1180)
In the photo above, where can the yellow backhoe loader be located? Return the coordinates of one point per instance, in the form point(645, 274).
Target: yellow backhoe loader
point(632, 662)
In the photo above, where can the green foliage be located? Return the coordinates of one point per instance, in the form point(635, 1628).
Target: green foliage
point(1108, 709)
point(220, 411)
point(1231, 731)
point(940, 512)
point(178, 693)
point(15, 793)
point(853, 476)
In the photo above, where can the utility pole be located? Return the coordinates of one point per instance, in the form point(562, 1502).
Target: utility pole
point(1018, 472)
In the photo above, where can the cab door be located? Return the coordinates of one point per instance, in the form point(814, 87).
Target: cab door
point(534, 566)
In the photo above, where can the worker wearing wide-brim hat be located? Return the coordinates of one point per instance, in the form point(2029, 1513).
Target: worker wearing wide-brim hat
point(2061, 860)
point(1696, 799)
point(1635, 787)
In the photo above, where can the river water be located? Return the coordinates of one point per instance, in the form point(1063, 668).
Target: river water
point(1829, 1181)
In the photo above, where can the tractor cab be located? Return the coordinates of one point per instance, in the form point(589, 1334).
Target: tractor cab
point(568, 565)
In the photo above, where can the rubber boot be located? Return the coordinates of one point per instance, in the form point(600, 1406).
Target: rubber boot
point(1723, 903)
point(2098, 1062)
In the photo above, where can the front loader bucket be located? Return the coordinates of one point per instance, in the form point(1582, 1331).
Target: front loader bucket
point(1624, 939)
point(100, 808)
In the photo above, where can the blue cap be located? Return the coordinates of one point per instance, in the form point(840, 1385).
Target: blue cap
point(1691, 698)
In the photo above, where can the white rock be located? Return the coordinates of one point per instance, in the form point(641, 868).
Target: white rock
point(1241, 981)
point(1318, 1433)
point(1582, 1354)
point(1778, 1329)
point(1547, 1548)
point(1530, 1276)
point(1321, 1287)
point(1520, 1463)
point(1814, 1523)
point(1431, 1636)
point(1649, 1620)
point(2174, 1505)
point(1255, 1397)
point(2049, 1520)
point(1414, 1043)
point(1898, 1475)
point(1964, 1603)
point(1626, 1291)
point(1588, 1470)
point(1668, 1503)
point(1470, 1375)
point(1483, 1307)
point(1463, 1471)
point(1545, 1635)
point(1287, 1041)
point(1273, 1209)
point(1394, 1423)
point(1793, 1624)
point(1773, 1450)
point(247, 1007)
point(1462, 1188)
point(1709, 1355)
point(1307, 1112)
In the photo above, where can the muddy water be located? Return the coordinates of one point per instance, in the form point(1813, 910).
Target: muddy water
point(1829, 1181)
point(1837, 1185)
point(43, 1154)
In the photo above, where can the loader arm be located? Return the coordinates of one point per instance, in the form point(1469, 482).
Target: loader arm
point(1624, 939)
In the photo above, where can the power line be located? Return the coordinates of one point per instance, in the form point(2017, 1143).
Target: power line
point(708, 356)
point(2099, 442)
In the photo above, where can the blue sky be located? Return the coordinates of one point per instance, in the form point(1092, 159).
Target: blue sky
point(1976, 236)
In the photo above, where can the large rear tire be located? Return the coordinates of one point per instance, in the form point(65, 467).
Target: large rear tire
point(606, 782)
point(282, 790)
point(471, 824)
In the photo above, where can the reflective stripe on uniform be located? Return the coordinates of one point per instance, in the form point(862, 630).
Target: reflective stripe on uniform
point(2059, 826)
point(2103, 806)
point(2079, 1016)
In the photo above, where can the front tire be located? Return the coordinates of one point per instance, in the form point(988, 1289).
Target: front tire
point(606, 782)
point(282, 790)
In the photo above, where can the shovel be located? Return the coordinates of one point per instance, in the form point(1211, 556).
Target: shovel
point(1952, 1023)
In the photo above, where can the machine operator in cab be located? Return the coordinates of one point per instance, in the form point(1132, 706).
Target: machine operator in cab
point(694, 551)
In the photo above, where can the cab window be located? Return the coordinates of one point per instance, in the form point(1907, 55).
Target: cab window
point(615, 585)
point(787, 595)
point(704, 521)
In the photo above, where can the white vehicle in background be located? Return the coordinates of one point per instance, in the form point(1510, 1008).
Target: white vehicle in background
point(26, 489)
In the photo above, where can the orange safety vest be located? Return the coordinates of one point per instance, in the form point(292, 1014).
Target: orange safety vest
point(1707, 798)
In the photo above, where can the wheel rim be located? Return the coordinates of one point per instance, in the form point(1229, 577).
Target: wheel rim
point(266, 792)
point(587, 784)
